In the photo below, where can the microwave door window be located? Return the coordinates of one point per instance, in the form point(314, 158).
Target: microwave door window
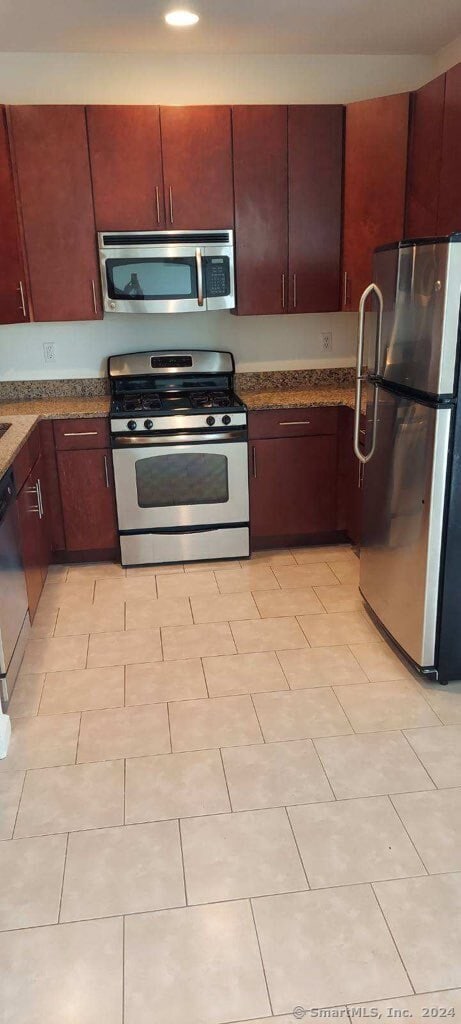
point(182, 478)
point(152, 278)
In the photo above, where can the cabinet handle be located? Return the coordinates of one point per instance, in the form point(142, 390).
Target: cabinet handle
point(346, 289)
point(23, 301)
point(283, 291)
point(294, 423)
point(170, 191)
point(295, 292)
point(106, 472)
point(35, 491)
point(157, 204)
point(40, 498)
point(253, 457)
point(95, 303)
point(81, 433)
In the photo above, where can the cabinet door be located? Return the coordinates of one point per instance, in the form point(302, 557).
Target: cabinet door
point(315, 159)
point(350, 479)
point(31, 540)
point(449, 216)
point(126, 167)
point(293, 487)
point(88, 501)
point(53, 170)
point(13, 307)
point(261, 197)
point(374, 186)
point(424, 159)
point(197, 167)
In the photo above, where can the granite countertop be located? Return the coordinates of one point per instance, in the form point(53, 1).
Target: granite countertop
point(292, 398)
point(24, 414)
point(23, 417)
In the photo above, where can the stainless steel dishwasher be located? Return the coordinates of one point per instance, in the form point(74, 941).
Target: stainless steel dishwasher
point(14, 614)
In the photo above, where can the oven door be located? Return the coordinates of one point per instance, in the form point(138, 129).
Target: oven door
point(177, 486)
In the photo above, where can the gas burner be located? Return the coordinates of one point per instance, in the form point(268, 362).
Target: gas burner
point(212, 400)
point(144, 402)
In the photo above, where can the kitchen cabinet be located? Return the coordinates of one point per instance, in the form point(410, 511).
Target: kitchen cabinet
point(34, 530)
point(50, 153)
point(449, 211)
point(293, 475)
point(315, 161)
point(374, 186)
point(197, 167)
point(287, 183)
point(13, 301)
point(84, 465)
point(153, 168)
point(425, 159)
point(88, 506)
point(350, 478)
point(261, 197)
point(126, 167)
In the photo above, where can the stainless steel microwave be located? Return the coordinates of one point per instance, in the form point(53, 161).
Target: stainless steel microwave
point(167, 271)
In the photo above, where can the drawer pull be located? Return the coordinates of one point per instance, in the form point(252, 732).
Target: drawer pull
point(81, 433)
point(294, 423)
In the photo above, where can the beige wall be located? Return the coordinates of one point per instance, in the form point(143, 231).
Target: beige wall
point(192, 78)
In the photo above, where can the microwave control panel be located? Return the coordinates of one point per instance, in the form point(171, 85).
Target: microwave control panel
point(217, 276)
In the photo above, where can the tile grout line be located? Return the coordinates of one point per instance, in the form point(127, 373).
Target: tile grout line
point(419, 855)
point(415, 752)
point(123, 968)
point(372, 887)
point(261, 957)
point(19, 804)
point(225, 780)
point(251, 695)
point(290, 824)
point(63, 877)
point(183, 862)
point(78, 740)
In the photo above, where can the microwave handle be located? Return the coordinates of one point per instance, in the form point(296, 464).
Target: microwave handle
point(198, 260)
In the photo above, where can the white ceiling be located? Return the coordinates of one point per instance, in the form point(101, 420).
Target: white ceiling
point(231, 26)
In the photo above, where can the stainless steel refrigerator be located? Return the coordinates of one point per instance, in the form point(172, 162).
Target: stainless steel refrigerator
point(410, 564)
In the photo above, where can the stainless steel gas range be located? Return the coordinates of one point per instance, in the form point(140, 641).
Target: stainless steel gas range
point(180, 450)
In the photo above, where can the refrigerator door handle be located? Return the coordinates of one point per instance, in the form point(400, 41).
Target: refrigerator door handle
point(360, 376)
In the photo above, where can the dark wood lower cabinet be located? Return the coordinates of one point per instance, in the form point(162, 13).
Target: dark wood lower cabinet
point(34, 527)
point(350, 480)
point(87, 496)
point(292, 487)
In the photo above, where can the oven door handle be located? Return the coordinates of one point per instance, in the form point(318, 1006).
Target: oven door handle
point(149, 440)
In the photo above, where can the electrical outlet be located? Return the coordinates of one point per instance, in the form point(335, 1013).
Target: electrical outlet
point(49, 351)
point(326, 338)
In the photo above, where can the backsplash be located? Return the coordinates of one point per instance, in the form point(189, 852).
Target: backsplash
point(94, 387)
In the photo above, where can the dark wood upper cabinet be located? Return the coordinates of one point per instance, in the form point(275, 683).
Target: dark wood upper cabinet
point(449, 213)
point(197, 167)
point(261, 206)
point(88, 499)
point(315, 161)
point(424, 159)
point(53, 172)
point(374, 186)
point(126, 167)
point(13, 302)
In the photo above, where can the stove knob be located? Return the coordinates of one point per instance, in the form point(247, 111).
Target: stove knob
point(132, 424)
point(226, 419)
point(148, 424)
point(211, 421)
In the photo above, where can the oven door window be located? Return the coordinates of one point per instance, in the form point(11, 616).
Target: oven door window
point(192, 478)
point(152, 278)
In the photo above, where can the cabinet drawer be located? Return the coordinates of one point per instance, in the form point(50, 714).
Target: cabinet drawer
point(292, 422)
point(80, 434)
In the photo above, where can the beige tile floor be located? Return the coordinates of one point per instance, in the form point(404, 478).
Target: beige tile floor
point(226, 797)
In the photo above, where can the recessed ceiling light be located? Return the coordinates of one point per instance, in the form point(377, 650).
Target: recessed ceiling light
point(181, 19)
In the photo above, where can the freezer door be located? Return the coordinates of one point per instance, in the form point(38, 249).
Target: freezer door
point(421, 286)
point(404, 489)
